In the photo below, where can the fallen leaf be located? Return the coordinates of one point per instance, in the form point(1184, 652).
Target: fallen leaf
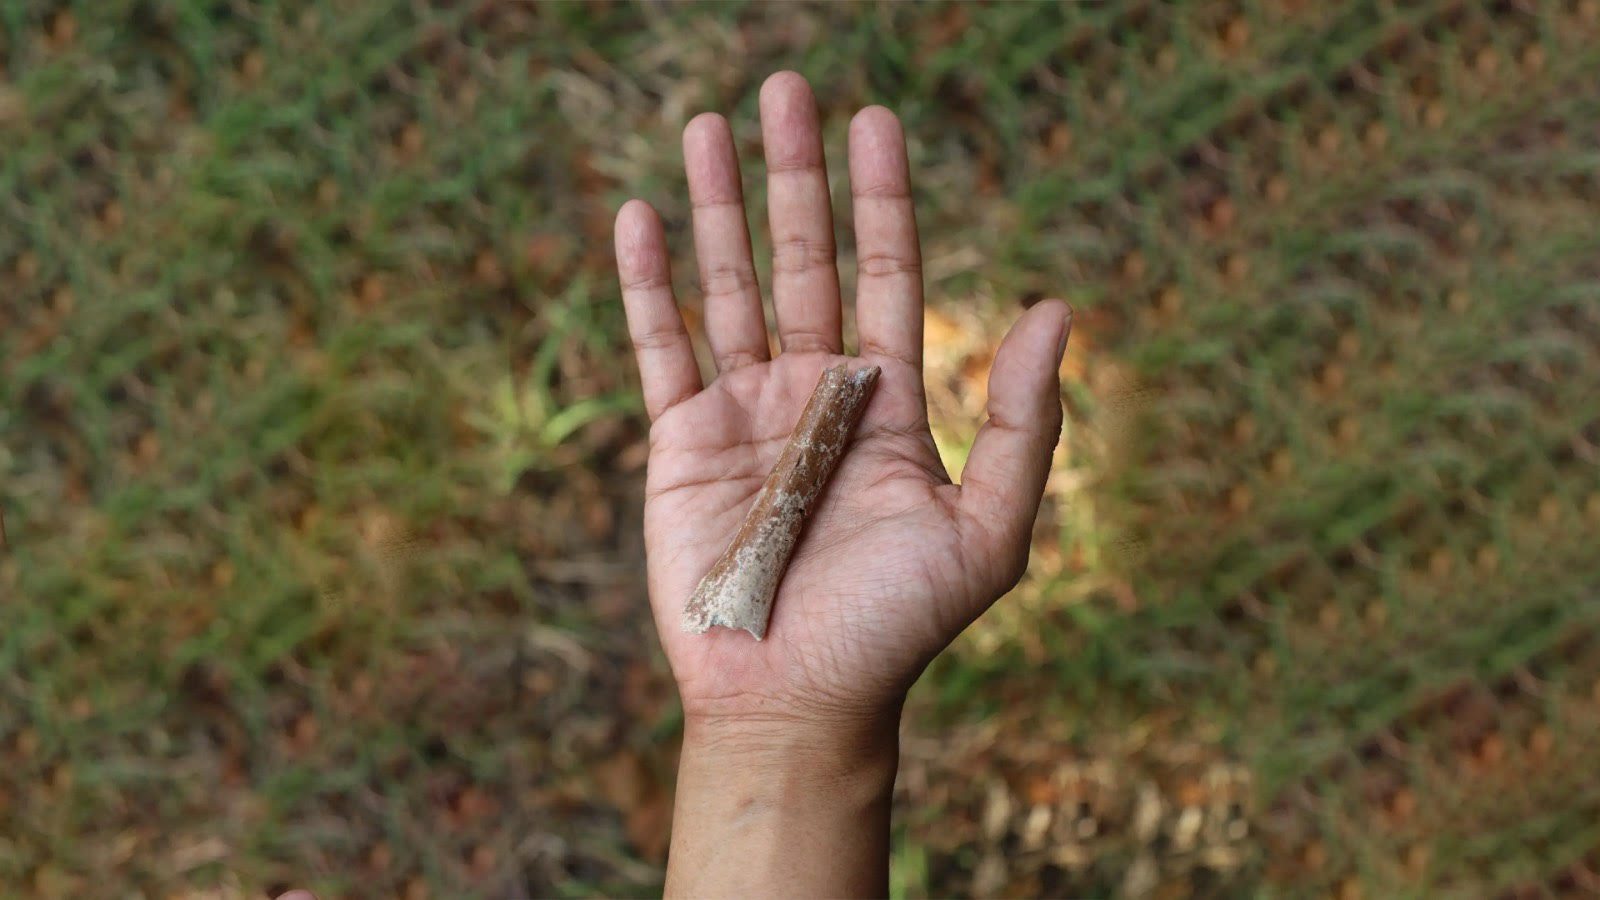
point(627, 782)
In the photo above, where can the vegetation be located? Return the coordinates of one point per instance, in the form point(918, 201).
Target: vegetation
point(321, 453)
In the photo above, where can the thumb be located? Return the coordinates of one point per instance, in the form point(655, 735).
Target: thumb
point(1005, 473)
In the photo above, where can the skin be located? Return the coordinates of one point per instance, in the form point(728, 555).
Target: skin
point(791, 743)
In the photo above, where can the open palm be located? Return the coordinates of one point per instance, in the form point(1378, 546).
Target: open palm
point(895, 559)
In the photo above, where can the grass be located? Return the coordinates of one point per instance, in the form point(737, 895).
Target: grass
point(321, 455)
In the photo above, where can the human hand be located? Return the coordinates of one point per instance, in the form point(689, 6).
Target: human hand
point(896, 560)
point(794, 738)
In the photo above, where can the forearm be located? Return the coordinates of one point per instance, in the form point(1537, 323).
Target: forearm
point(783, 809)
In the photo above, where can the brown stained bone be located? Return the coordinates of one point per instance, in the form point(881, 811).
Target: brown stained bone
point(738, 591)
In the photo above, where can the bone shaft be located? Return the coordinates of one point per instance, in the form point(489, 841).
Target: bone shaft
point(739, 590)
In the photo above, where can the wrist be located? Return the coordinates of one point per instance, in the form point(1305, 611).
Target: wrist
point(762, 799)
point(780, 754)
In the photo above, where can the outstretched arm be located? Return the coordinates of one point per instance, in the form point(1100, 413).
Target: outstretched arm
point(790, 743)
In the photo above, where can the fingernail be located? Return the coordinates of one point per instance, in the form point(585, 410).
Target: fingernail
point(1066, 329)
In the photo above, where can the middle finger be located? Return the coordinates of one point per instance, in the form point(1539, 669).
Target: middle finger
point(805, 277)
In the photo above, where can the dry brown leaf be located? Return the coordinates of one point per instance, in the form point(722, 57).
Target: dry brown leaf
point(627, 782)
point(939, 330)
point(644, 692)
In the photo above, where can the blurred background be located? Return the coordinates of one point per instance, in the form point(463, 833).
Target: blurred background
point(321, 448)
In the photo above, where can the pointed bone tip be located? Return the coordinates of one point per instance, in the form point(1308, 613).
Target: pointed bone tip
point(841, 373)
point(866, 375)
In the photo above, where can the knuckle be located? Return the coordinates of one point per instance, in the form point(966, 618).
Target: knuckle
point(651, 281)
point(798, 162)
point(884, 190)
point(805, 340)
point(658, 339)
point(720, 280)
point(884, 265)
point(801, 254)
point(871, 347)
point(717, 203)
point(738, 359)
